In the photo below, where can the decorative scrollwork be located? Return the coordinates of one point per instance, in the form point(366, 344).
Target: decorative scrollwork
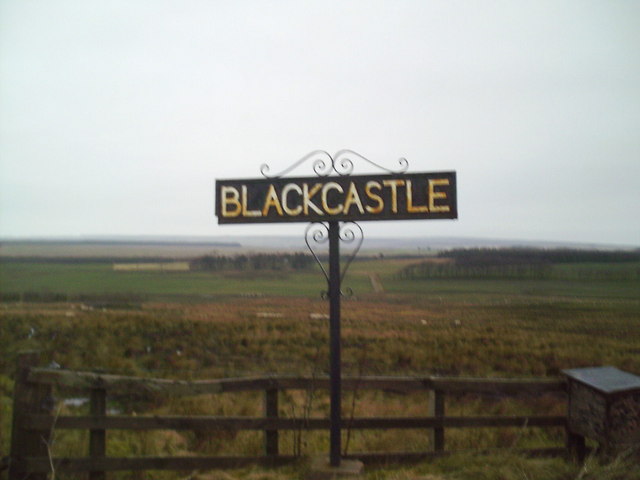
point(340, 163)
point(348, 235)
point(343, 165)
point(347, 292)
point(317, 232)
point(321, 166)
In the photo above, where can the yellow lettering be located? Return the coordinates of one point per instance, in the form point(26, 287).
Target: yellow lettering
point(352, 198)
point(271, 201)
point(433, 195)
point(285, 199)
point(325, 206)
point(394, 184)
point(230, 196)
point(245, 212)
point(373, 196)
point(411, 208)
point(307, 195)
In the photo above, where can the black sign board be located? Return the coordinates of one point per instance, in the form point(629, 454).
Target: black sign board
point(338, 198)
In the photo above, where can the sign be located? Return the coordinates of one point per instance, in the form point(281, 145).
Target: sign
point(342, 198)
point(331, 200)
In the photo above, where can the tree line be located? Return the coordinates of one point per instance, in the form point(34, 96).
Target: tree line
point(258, 261)
point(532, 256)
point(520, 263)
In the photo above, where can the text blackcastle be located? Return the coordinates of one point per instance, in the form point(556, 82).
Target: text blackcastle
point(341, 198)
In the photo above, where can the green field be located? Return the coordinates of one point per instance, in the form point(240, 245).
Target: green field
point(72, 280)
point(96, 279)
point(236, 323)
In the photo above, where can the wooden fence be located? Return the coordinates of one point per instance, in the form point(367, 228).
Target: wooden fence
point(34, 419)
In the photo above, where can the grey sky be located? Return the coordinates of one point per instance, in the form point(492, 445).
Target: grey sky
point(116, 117)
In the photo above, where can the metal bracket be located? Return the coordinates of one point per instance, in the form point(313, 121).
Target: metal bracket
point(318, 233)
point(340, 163)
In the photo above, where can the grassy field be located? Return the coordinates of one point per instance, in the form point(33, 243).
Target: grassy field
point(99, 279)
point(211, 325)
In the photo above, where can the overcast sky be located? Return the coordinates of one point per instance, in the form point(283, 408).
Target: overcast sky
point(117, 117)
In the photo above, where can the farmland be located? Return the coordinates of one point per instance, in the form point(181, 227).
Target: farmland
point(212, 324)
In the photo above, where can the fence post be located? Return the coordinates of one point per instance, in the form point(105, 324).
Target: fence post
point(28, 398)
point(271, 411)
point(436, 410)
point(97, 438)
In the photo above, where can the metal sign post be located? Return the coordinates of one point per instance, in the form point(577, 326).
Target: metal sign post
point(334, 344)
point(325, 201)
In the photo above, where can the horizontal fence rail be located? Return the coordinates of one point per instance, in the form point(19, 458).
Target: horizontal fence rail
point(204, 423)
point(34, 418)
point(117, 384)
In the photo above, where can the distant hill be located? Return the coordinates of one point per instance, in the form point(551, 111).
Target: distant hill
point(188, 247)
point(417, 244)
point(118, 241)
